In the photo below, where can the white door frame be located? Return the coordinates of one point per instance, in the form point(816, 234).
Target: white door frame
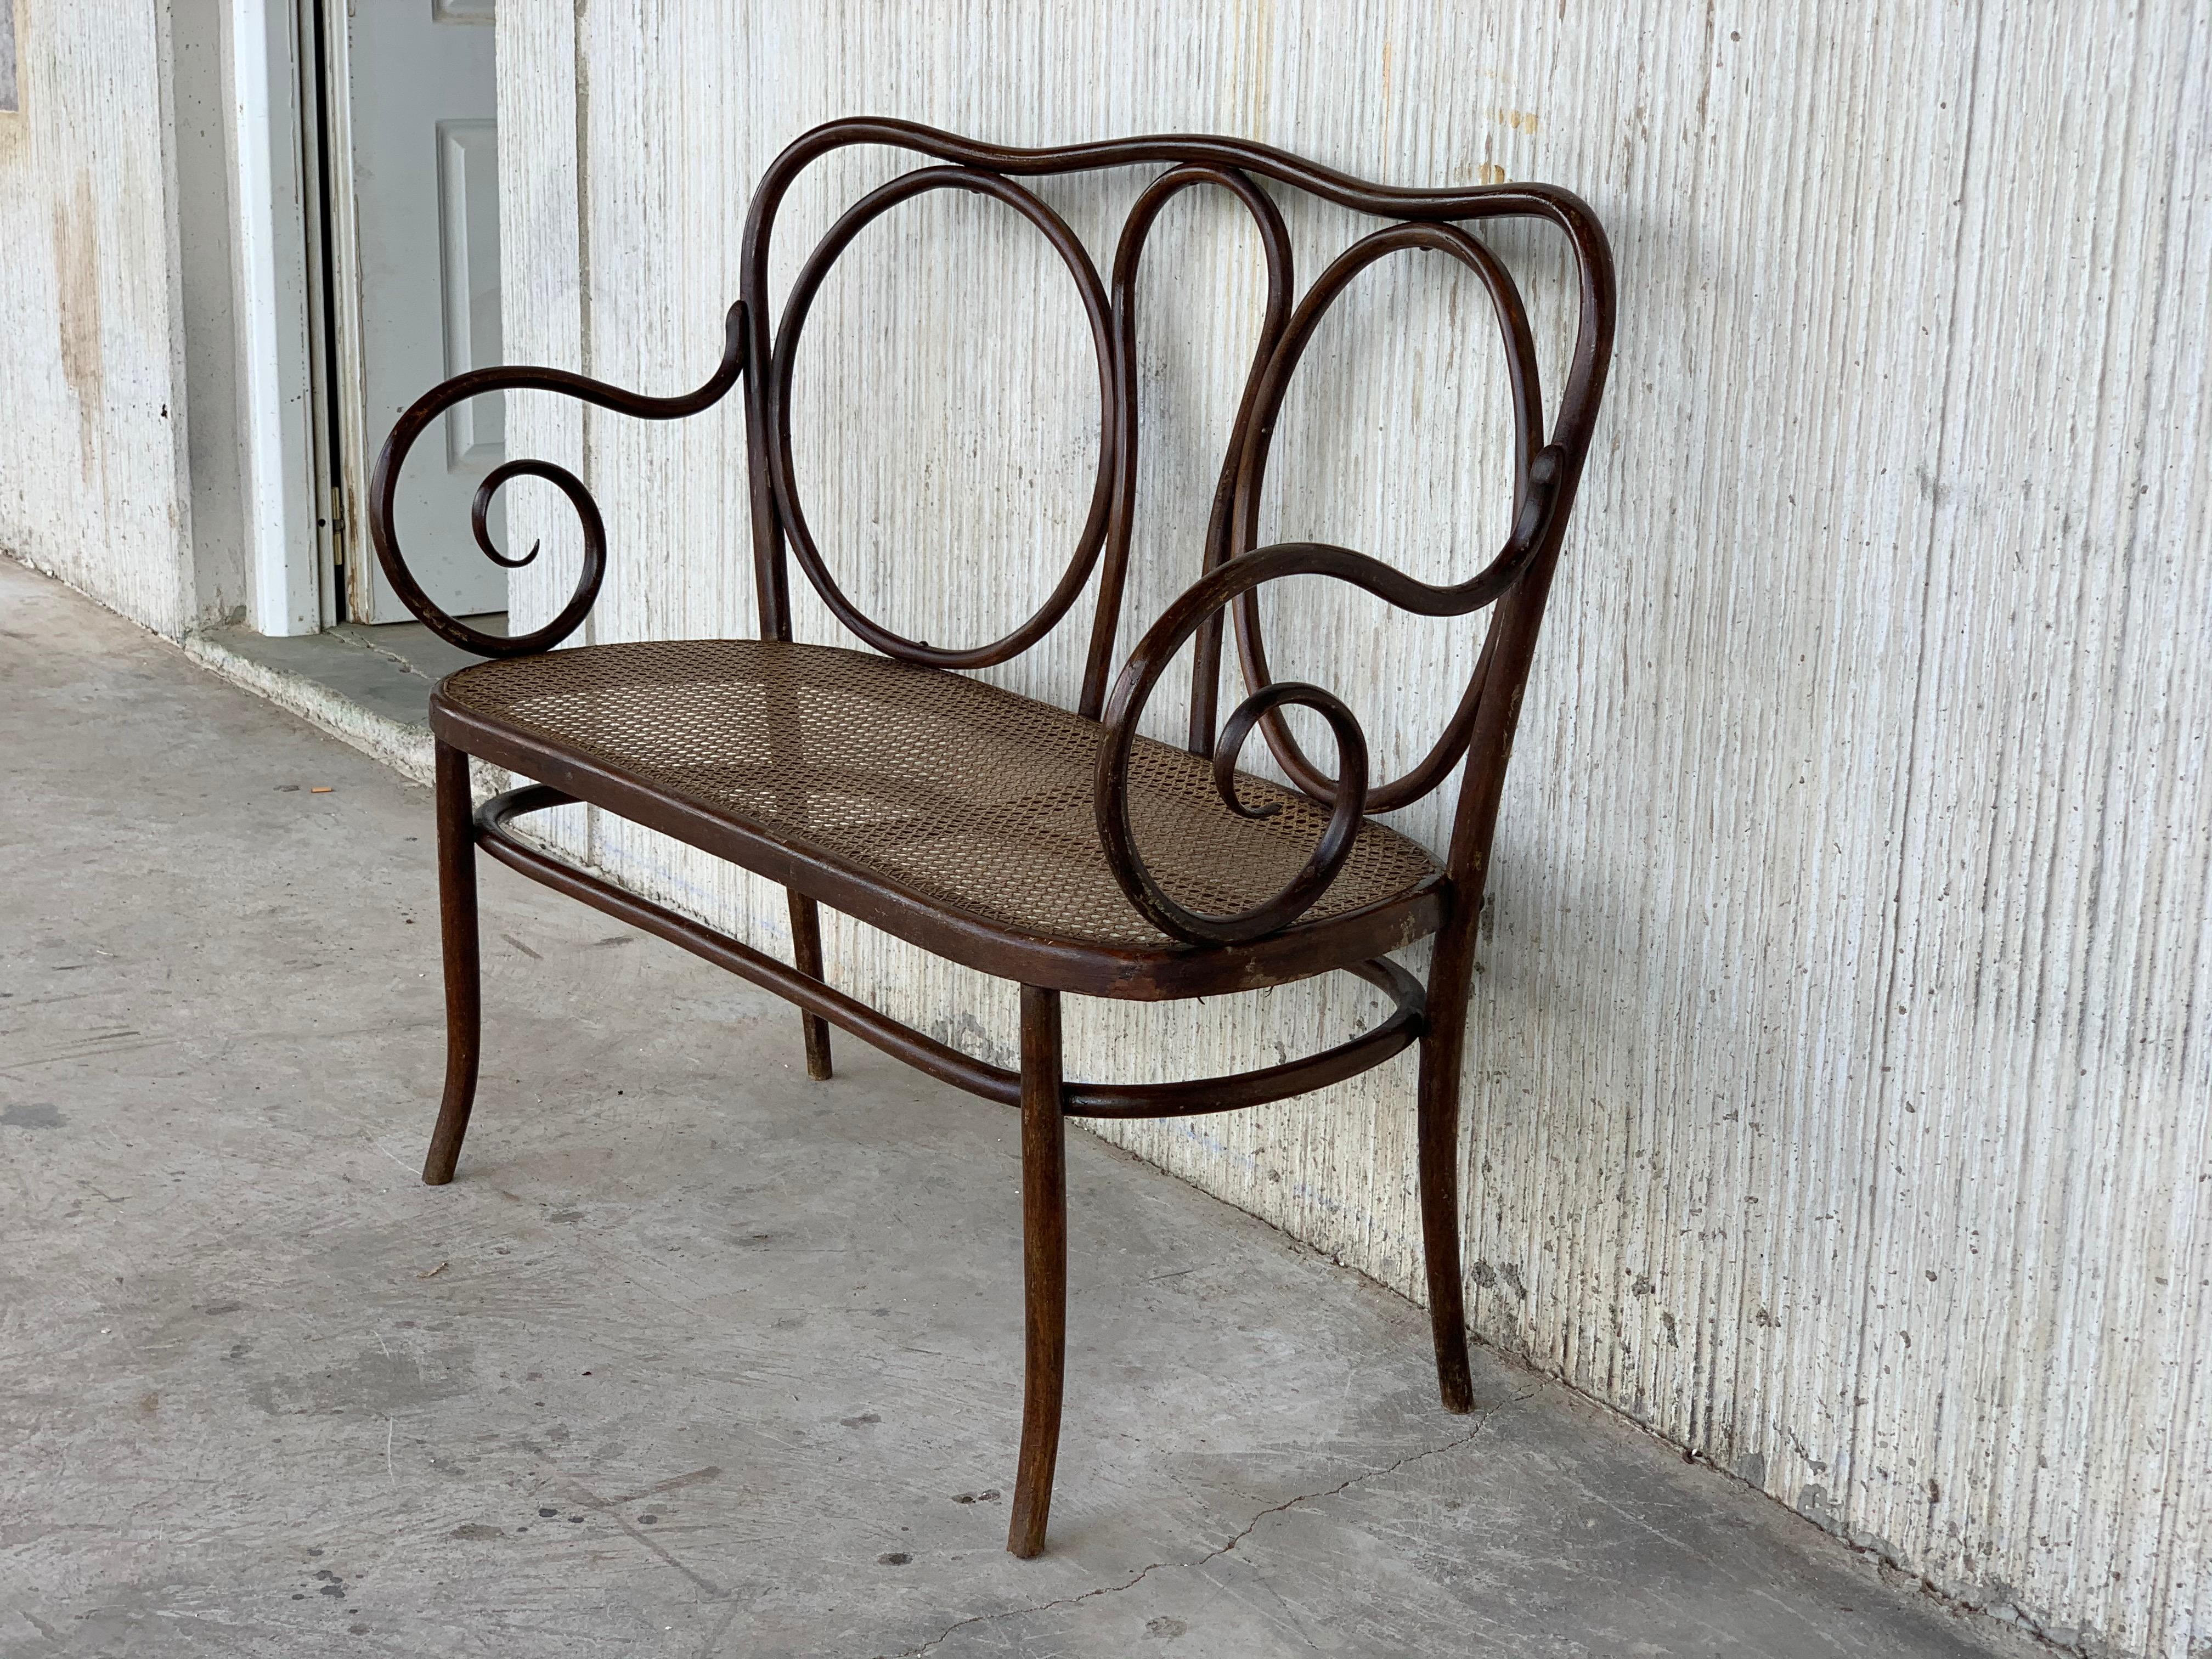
point(296, 308)
point(276, 307)
point(348, 442)
point(360, 421)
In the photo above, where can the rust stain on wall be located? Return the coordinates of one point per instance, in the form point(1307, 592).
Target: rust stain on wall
point(76, 290)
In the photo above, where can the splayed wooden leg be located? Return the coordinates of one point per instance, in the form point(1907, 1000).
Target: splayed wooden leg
point(1437, 1106)
point(1044, 1268)
point(457, 927)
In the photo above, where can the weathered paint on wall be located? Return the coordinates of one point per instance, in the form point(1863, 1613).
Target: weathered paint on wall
point(1839, 1099)
point(92, 464)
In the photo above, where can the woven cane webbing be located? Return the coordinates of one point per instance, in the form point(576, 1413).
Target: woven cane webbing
point(971, 796)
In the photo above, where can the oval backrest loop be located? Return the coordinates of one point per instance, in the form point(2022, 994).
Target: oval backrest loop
point(791, 517)
point(1255, 440)
point(1128, 256)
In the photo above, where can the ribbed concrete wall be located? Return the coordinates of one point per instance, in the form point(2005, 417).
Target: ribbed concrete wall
point(1837, 1104)
point(91, 421)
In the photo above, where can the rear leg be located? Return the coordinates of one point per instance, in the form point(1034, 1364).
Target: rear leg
point(806, 954)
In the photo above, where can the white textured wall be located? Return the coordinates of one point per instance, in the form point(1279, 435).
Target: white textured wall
point(1837, 1100)
point(92, 463)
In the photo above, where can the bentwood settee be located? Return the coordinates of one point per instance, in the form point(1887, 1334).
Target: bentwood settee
point(1054, 848)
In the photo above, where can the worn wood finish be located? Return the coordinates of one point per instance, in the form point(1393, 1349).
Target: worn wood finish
point(1044, 1269)
point(457, 941)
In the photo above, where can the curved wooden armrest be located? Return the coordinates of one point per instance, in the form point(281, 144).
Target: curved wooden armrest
point(384, 482)
point(1224, 585)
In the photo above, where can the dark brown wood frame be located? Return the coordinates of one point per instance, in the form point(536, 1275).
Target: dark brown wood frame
point(1206, 954)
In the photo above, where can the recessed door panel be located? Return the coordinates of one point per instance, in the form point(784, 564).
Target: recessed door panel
point(468, 226)
point(425, 197)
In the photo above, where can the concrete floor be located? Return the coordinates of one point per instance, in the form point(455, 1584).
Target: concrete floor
point(695, 1357)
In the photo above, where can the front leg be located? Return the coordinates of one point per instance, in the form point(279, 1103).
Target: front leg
point(1044, 1268)
point(1443, 1045)
point(457, 929)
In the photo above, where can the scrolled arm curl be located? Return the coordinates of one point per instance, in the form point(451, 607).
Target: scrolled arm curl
point(383, 484)
point(1110, 796)
point(1224, 585)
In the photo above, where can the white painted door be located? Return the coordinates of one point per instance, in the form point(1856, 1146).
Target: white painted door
point(425, 183)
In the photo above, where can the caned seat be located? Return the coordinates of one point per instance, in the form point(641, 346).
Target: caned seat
point(966, 796)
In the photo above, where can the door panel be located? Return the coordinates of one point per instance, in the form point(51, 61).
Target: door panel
point(468, 239)
point(425, 183)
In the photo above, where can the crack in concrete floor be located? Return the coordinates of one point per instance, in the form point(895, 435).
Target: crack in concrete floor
point(1241, 1534)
